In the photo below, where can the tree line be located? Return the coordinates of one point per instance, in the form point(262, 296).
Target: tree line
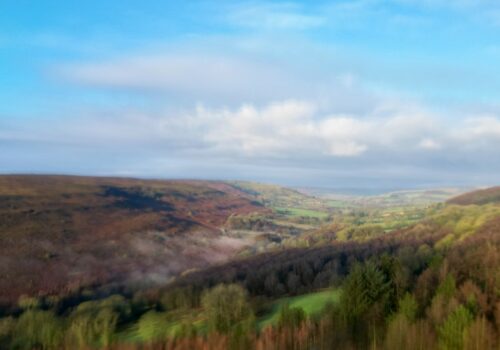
point(403, 290)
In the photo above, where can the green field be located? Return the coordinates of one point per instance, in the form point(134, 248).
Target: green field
point(338, 203)
point(300, 212)
point(154, 325)
point(312, 303)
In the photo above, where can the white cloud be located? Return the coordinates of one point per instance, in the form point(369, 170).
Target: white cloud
point(287, 130)
point(482, 127)
point(342, 135)
point(429, 144)
point(284, 129)
point(479, 133)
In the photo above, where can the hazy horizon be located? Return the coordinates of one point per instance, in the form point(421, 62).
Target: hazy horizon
point(356, 189)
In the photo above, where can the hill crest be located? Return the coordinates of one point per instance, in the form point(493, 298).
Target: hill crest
point(479, 197)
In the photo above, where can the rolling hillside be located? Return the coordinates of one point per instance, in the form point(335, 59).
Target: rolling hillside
point(63, 233)
point(59, 233)
point(480, 197)
point(401, 198)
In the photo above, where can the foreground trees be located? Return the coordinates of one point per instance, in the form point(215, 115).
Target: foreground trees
point(365, 317)
point(226, 307)
point(402, 291)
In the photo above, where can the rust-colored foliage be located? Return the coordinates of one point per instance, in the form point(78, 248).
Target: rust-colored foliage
point(61, 233)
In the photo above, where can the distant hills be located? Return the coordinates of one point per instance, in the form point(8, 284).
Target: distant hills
point(345, 198)
point(480, 197)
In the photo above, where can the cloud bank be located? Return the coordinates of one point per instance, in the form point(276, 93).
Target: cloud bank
point(395, 140)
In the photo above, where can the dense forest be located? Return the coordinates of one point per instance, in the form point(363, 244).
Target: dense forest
point(432, 285)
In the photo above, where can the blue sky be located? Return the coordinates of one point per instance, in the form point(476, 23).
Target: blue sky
point(395, 93)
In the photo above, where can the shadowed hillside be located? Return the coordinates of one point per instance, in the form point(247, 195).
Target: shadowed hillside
point(58, 233)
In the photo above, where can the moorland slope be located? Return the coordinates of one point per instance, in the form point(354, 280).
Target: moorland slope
point(480, 197)
point(59, 233)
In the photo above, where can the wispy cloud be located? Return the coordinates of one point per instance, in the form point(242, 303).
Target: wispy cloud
point(196, 73)
point(274, 16)
point(190, 74)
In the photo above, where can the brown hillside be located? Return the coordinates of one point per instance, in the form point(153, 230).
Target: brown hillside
point(480, 197)
point(64, 232)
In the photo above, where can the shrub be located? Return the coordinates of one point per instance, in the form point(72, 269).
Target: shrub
point(38, 329)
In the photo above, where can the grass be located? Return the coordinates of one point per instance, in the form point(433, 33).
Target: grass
point(164, 324)
point(312, 304)
point(300, 212)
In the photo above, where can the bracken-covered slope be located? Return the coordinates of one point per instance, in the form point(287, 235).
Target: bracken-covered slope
point(480, 197)
point(61, 233)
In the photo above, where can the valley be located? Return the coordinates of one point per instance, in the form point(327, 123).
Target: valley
point(67, 233)
point(155, 256)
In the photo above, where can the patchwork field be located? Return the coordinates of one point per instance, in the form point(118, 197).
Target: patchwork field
point(301, 213)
